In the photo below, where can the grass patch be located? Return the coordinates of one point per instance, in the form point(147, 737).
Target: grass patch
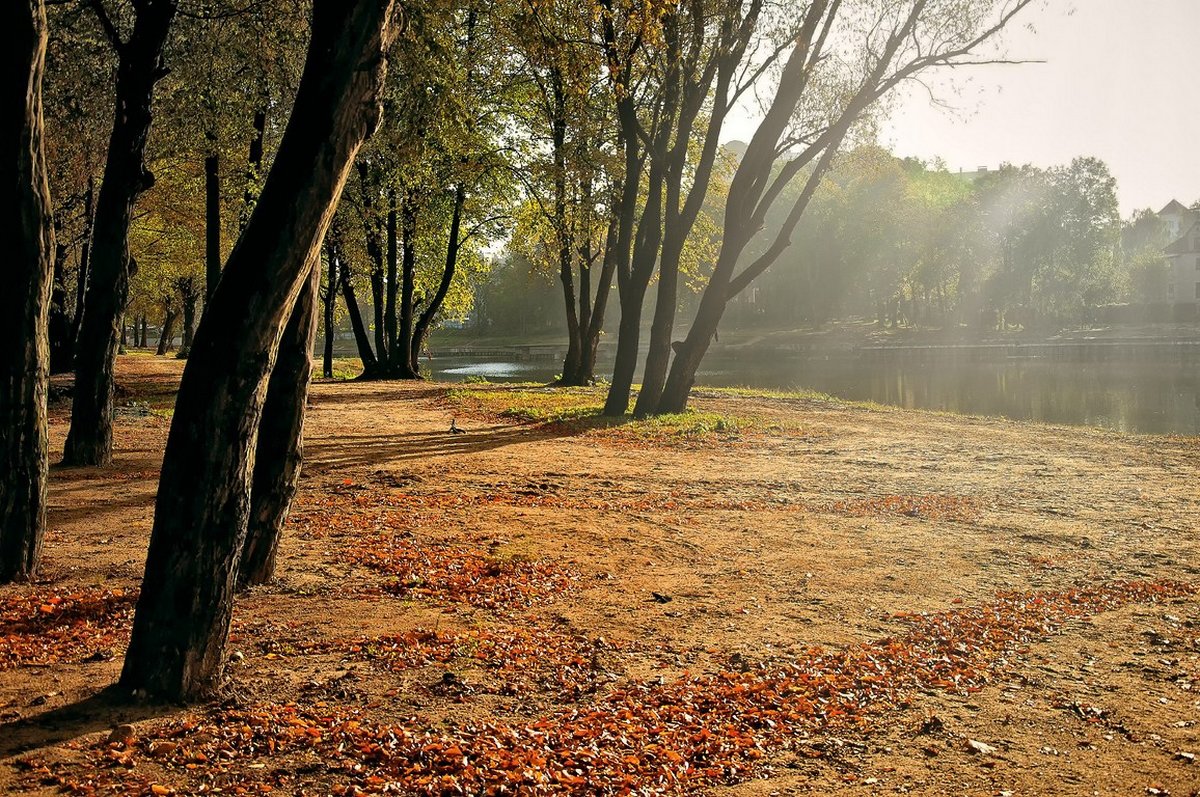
point(581, 408)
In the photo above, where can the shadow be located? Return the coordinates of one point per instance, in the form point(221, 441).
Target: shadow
point(377, 449)
point(62, 515)
point(101, 711)
point(373, 390)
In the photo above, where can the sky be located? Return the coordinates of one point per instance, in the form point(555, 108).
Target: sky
point(1120, 80)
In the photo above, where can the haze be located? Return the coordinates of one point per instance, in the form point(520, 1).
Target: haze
point(1117, 82)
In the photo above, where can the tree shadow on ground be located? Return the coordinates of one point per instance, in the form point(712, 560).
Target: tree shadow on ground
point(103, 710)
point(348, 450)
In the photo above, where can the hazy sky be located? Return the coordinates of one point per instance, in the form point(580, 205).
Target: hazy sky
point(1121, 81)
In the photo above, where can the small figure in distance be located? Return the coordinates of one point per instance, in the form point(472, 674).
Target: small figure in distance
point(454, 427)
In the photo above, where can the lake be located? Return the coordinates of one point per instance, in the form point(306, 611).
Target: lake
point(1159, 395)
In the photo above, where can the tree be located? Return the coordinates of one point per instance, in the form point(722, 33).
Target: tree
point(24, 305)
point(140, 67)
point(817, 102)
point(176, 649)
point(78, 111)
point(431, 186)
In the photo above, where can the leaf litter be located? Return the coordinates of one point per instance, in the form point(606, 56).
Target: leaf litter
point(644, 737)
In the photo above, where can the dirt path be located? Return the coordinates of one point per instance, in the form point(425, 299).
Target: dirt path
point(766, 545)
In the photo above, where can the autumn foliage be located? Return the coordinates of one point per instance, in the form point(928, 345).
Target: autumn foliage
point(644, 737)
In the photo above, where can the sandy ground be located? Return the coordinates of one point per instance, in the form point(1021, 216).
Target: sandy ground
point(766, 544)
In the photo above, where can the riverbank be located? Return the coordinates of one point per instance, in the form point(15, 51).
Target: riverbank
point(473, 601)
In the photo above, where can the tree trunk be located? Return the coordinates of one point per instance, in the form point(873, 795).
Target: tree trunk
point(361, 340)
point(177, 646)
point(329, 297)
point(692, 349)
point(633, 295)
point(254, 166)
point(375, 253)
point(591, 334)
point(25, 300)
point(280, 448)
point(189, 296)
point(212, 223)
point(140, 66)
point(85, 250)
point(167, 332)
point(143, 343)
point(61, 344)
point(399, 359)
point(389, 313)
point(453, 244)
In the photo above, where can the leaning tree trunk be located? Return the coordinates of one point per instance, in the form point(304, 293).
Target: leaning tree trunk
point(453, 245)
point(177, 646)
point(25, 300)
point(167, 331)
point(361, 339)
point(591, 335)
point(328, 299)
point(140, 66)
point(633, 295)
point(280, 447)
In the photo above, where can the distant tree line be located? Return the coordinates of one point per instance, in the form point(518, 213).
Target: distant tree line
point(908, 243)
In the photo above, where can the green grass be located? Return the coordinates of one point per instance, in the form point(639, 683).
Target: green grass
point(581, 408)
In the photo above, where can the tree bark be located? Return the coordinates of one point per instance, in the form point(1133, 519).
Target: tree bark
point(595, 327)
point(177, 645)
point(61, 344)
point(280, 448)
point(453, 244)
point(167, 331)
point(375, 253)
point(361, 340)
point(188, 296)
point(633, 294)
point(254, 166)
point(85, 250)
point(399, 365)
point(329, 297)
point(212, 222)
point(140, 66)
point(389, 313)
point(24, 303)
point(566, 270)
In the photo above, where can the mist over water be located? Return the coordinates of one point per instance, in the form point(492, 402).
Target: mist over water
point(1139, 397)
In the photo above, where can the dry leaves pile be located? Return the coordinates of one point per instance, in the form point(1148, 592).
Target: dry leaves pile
point(645, 738)
point(521, 658)
point(38, 628)
point(450, 574)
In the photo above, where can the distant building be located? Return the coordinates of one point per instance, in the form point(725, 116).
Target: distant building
point(1183, 261)
point(1177, 217)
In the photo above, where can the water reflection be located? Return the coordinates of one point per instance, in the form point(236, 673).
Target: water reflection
point(1143, 397)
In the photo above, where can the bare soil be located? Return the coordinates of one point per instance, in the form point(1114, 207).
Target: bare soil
point(758, 545)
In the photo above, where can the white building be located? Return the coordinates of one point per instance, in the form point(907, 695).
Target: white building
point(1183, 261)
